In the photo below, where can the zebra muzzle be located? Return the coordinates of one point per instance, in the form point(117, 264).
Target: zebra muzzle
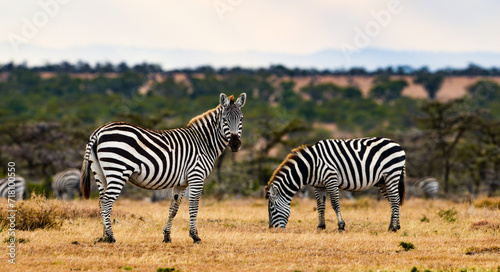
point(234, 142)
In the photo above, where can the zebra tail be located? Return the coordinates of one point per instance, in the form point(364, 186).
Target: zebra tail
point(402, 187)
point(85, 179)
point(85, 173)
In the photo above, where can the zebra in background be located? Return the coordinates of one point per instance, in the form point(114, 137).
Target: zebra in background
point(166, 194)
point(330, 165)
point(159, 159)
point(66, 183)
point(17, 183)
point(429, 186)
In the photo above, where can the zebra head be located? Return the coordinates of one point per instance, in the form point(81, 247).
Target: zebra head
point(278, 207)
point(232, 119)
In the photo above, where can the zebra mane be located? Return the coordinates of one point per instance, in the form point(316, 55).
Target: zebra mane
point(208, 112)
point(293, 155)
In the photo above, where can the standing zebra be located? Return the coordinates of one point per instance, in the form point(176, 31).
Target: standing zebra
point(159, 159)
point(429, 186)
point(330, 165)
point(10, 186)
point(66, 183)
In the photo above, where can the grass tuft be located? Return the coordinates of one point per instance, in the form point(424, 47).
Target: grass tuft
point(489, 203)
point(128, 268)
point(479, 250)
point(448, 215)
point(407, 246)
point(168, 269)
point(425, 219)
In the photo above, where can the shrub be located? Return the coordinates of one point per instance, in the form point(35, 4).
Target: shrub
point(407, 246)
point(40, 213)
point(168, 269)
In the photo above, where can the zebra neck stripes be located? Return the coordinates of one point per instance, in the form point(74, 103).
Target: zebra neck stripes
point(208, 129)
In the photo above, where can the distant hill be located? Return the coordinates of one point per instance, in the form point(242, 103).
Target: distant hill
point(181, 58)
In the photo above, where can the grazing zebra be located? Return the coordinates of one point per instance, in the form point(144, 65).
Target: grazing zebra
point(330, 165)
point(11, 186)
point(429, 186)
point(66, 183)
point(159, 159)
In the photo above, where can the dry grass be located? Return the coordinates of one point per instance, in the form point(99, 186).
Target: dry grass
point(236, 238)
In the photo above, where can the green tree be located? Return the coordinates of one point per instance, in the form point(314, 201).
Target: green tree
point(431, 81)
point(386, 89)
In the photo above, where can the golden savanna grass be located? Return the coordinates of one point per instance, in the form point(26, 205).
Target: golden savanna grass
point(235, 237)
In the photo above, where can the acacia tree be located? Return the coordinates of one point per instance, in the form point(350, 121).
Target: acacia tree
point(431, 81)
point(446, 124)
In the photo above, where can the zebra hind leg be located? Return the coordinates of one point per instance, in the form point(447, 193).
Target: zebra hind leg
point(178, 192)
point(392, 194)
point(333, 191)
point(320, 194)
point(113, 190)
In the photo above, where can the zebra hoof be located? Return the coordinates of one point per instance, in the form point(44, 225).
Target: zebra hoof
point(321, 227)
point(167, 239)
point(341, 226)
point(106, 239)
point(394, 228)
point(194, 235)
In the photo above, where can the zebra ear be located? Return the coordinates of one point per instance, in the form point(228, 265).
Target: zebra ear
point(240, 102)
point(224, 101)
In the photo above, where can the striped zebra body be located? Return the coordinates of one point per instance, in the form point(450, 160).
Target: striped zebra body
point(156, 160)
point(330, 165)
point(429, 186)
point(13, 188)
point(66, 183)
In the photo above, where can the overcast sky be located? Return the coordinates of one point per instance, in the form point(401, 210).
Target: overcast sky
point(272, 26)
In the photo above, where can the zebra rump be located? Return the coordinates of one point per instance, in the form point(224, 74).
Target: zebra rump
point(13, 187)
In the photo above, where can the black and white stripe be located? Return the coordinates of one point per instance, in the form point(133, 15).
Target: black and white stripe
point(13, 188)
point(156, 160)
point(426, 186)
point(66, 184)
point(330, 165)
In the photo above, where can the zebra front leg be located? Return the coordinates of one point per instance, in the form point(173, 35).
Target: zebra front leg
point(320, 194)
point(333, 191)
point(195, 189)
point(178, 192)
